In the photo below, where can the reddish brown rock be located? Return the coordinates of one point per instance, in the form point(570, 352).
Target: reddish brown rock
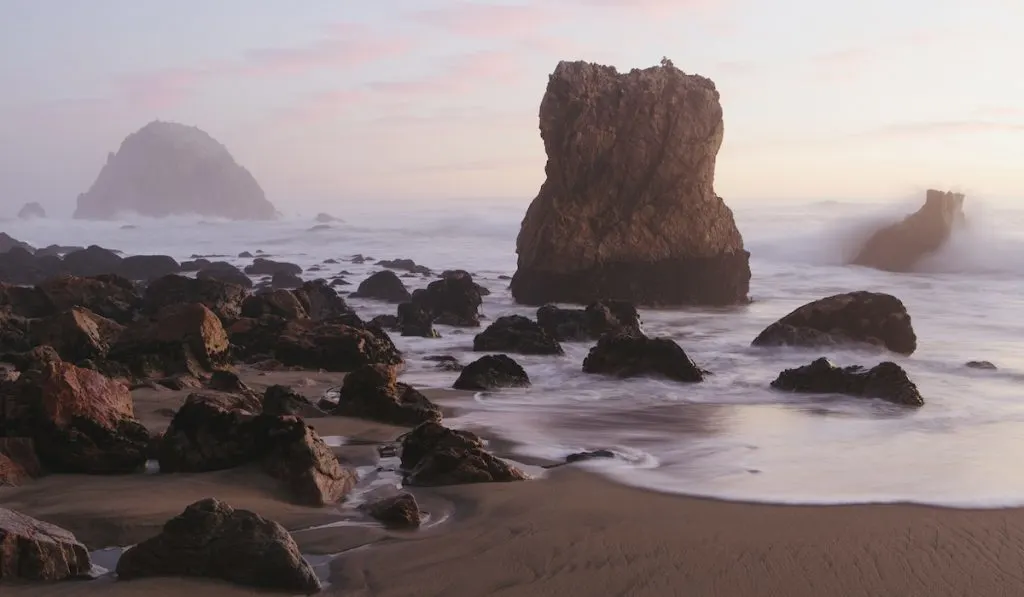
point(81, 421)
point(628, 210)
point(398, 511)
point(373, 392)
point(77, 334)
point(210, 432)
point(434, 455)
point(899, 247)
point(223, 298)
point(106, 295)
point(297, 456)
point(313, 344)
point(33, 550)
point(18, 461)
point(181, 339)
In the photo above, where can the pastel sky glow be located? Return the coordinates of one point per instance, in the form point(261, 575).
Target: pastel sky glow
point(333, 101)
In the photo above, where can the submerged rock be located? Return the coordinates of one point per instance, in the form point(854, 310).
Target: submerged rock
point(899, 247)
point(33, 550)
point(886, 381)
point(268, 267)
point(31, 211)
point(518, 334)
point(981, 365)
point(433, 455)
point(632, 356)
point(398, 511)
point(373, 392)
point(492, 372)
point(407, 265)
point(213, 540)
point(628, 210)
point(598, 319)
point(165, 169)
point(850, 319)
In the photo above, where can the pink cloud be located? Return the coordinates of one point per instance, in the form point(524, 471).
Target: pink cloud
point(343, 47)
point(462, 73)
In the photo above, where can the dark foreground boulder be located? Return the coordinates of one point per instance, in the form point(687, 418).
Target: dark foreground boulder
point(33, 550)
point(210, 432)
point(384, 285)
point(598, 319)
point(81, 421)
point(373, 392)
point(899, 247)
point(851, 319)
point(434, 455)
point(213, 540)
point(492, 372)
point(628, 210)
point(518, 334)
point(886, 381)
point(632, 356)
point(398, 511)
point(282, 400)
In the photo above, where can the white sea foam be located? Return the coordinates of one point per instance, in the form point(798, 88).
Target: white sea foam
point(731, 436)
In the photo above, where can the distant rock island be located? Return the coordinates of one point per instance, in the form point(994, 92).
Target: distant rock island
point(166, 169)
point(31, 210)
point(628, 210)
point(899, 247)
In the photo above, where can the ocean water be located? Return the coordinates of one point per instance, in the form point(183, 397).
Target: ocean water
point(732, 436)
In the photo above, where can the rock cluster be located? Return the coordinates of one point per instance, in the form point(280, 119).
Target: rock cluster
point(886, 381)
point(628, 209)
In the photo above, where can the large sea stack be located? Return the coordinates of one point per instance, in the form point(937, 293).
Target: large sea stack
point(628, 210)
point(899, 247)
point(166, 169)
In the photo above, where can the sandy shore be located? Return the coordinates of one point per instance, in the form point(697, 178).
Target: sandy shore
point(571, 533)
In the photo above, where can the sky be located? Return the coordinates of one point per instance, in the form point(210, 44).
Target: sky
point(328, 102)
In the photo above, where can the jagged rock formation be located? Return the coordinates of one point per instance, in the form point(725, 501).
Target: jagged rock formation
point(899, 247)
point(628, 210)
point(165, 169)
point(31, 210)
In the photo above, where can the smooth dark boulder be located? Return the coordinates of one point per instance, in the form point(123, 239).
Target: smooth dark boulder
point(285, 280)
point(373, 392)
point(413, 320)
point(853, 319)
point(281, 400)
point(37, 551)
point(92, 261)
point(632, 356)
point(517, 334)
point(899, 247)
point(383, 285)
point(598, 319)
point(165, 169)
point(450, 301)
point(213, 540)
point(491, 372)
point(886, 381)
point(268, 267)
point(628, 210)
point(224, 272)
point(148, 267)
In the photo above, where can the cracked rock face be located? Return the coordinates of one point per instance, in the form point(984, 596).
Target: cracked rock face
point(165, 169)
point(628, 210)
